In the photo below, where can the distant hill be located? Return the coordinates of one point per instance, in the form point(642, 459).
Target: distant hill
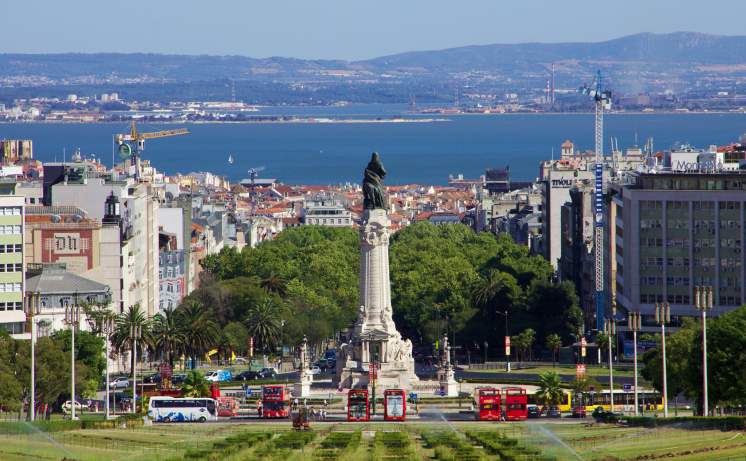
point(676, 49)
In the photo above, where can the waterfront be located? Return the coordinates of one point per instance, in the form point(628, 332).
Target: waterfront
point(414, 152)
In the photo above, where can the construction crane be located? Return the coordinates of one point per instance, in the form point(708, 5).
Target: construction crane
point(602, 102)
point(132, 144)
point(253, 172)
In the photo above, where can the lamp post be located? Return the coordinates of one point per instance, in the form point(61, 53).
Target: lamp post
point(135, 333)
point(105, 325)
point(72, 318)
point(663, 316)
point(610, 330)
point(634, 323)
point(703, 303)
point(507, 340)
point(32, 309)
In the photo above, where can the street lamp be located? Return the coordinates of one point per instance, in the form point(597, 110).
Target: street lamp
point(507, 340)
point(72, 318)
point(610, 330)
point(634, 323)
point(703, 303)
point(105, 325)
point(663, 316)
point(32, 308)
point(135, 333)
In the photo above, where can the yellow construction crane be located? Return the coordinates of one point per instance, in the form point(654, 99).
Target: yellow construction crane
point(132, 144)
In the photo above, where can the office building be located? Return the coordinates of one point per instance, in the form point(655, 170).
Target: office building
point(12, 317)
point(673, 231)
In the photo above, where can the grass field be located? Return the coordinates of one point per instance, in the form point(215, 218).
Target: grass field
point(591, 370)
point(377, 441)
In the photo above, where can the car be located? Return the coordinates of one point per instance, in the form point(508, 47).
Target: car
point(578, 412)
point(218, 376)
point(79, 406)
point(323, 364)
point(178, 379)
point(268, 373)
point(121, 382)
point(533, 411)
point(314, 370)
point(155, 378)
point(247, 375)
point(554, 412)
point(330, 354)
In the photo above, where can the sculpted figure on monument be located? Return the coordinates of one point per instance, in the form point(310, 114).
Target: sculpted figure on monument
point(373, 193)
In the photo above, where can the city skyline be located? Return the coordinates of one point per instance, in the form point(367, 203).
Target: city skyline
point(340, 30)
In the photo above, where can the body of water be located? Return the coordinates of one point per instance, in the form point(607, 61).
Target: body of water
point(411, 152)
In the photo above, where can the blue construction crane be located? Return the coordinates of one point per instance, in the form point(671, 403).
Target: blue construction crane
point(602, 102)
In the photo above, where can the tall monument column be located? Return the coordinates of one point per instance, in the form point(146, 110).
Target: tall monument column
point(374, 338)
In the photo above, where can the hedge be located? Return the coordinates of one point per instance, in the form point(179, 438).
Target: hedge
point(725, 423)
point(57, 425)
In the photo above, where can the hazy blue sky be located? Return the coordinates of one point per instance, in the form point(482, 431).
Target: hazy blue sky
point(346, 29)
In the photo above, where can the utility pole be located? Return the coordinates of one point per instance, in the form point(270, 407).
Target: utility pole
point(635, 324)
point(32, 309)
point(663, 316)
point(72, 318)
point(703, 303)
point(135, 332)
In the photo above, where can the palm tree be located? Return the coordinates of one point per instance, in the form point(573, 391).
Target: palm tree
point(124, 337)
point(168, 338)
point(550, 391)
point(274, 283)
point(263, 323)
point(554, 343)
point(200, 331)
point(195, 385)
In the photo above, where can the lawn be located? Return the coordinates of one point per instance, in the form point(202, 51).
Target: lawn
point(565, 370)
point(376, 441)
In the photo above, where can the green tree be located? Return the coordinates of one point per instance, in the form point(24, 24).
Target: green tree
point(11, 390)
point(167, 335)
point(554, 343)
point(524, 343)
point(553, 307)
point(195, 385)
point(550, 390)
point(274, 283)
point(237, 336)
point(124, 339)
point(200, 331)
point(263, 324)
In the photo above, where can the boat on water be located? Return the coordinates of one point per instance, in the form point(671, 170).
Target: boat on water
point(230, 159)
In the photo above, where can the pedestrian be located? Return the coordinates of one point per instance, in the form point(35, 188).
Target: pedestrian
point(259, 408)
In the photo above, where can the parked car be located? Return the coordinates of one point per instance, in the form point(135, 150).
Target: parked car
point(268, 373)
point(155, 378)
point(247, 375)
point(178, 379)
point(578, 412)
point(79, 406)
point(218, 376)
point(554, 412)
point(330, 354)
point(533, 411)
point(121, 382)
point(314, 370)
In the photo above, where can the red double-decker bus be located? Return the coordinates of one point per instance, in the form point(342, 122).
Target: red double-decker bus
point(357, 405)
point(275, 402)
point(487, 404)
point(516, 404)
point(394, 405)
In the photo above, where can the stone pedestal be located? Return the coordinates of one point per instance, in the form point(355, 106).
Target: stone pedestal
point(303, 387)
point(374, 337)
point(446, 375)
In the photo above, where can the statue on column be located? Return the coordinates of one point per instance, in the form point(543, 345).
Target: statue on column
point(373, 193)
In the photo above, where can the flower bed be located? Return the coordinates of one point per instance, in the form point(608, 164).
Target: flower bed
point(506, 448)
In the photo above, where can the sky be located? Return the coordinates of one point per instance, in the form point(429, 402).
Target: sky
point(338, 29)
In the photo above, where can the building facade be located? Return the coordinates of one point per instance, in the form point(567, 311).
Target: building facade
point(12, 283)
point(676, 231)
